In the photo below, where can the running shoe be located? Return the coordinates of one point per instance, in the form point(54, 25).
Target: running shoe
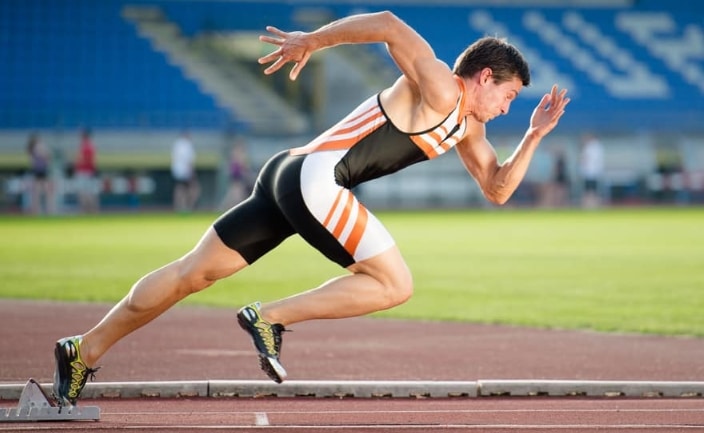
point(71, 372)
point(267, 340)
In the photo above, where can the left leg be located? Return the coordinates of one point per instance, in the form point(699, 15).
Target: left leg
point(159, 290)
point(235, 240)
point(152, 295)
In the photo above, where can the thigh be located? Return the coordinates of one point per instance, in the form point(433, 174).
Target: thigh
point(342, 225)
point(387, 267)
point(212, 259)
point(253, 227)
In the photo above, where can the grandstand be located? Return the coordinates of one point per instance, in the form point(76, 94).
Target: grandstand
point(139, 71)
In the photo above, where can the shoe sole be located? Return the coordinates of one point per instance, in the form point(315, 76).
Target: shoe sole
point(271, 366)
point(60, 400)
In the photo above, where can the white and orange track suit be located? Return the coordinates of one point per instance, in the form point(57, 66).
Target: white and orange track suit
point(308, 190)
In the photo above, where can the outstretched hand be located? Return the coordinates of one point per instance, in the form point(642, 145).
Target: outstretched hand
point(293, 47)
point(549, 110)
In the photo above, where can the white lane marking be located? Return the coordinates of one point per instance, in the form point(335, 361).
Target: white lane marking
point(261, 419)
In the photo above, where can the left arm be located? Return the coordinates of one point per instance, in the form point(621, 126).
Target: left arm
point(498, 181)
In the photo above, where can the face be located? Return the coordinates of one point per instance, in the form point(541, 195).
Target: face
point(491, 99)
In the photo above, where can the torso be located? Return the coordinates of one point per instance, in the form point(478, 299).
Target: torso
point(373, 146)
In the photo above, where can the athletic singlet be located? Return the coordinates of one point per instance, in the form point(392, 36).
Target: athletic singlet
point(308, 190)
point(375, 147)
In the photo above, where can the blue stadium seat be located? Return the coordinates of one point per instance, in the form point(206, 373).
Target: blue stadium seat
point(78, 62)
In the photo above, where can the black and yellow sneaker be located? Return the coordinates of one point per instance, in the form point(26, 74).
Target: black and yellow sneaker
point(267, 340)
point(71, 372)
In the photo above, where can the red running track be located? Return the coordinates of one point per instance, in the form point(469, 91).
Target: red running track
point(205, 344)
point(387, 415)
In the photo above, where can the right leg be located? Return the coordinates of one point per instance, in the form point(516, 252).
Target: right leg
point(331, 219)
point(378, 283)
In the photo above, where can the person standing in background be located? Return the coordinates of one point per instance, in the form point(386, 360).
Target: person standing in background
point(559, 181)
point(591, 166)
point(239, 174)
point(85, 173)
point(41, 188)
point(183, 172)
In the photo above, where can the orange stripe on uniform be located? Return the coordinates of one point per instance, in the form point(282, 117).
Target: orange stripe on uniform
point(332, 209)
point(330, 140)
point(346, 212)
point(357, 132)
point(358, 230)
point(438, 134)
point(426, 147)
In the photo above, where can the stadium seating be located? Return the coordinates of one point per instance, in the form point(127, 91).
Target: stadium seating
point(635, 70)
point(74, 62)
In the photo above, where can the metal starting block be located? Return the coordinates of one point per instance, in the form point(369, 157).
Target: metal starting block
point(35, 405)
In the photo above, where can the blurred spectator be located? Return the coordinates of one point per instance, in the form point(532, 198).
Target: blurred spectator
point(556, 193)
point(669, 174)
point(240, 176)
point(85, 174)
point(591, 164)
point(41, 188)
point(183, 162)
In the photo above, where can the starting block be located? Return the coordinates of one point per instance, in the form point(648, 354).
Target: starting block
point(35, 405)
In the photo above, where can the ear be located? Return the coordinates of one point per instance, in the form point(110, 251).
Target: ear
point(485, 75)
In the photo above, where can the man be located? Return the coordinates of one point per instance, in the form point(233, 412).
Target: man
point(85, 173)
point(591, 168)
point(307, 190)
point(183, 172)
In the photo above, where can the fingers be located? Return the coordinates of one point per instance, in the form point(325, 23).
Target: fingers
point(270, 57)
point(555, 100)
point(274, 66)
point(276, 31)
point(282, 55)
point(274, 41)
point(550, 109)
point(544, 102)
point(270, 40)
point(298, 66)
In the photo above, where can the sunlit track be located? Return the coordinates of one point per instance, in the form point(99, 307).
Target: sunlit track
point(364, 394)
point(362, 415)
point(375, 428)
point(452, 411)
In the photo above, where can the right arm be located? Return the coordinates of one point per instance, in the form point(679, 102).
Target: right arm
point(430, 79)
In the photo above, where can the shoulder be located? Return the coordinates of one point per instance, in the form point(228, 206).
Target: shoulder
point(413, 109)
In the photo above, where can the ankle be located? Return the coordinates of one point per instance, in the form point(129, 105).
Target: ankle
point(84, 349)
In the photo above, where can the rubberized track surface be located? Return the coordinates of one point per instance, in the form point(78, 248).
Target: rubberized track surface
point(205, 344)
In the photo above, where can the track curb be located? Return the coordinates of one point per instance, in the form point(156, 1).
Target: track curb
point(378, 389)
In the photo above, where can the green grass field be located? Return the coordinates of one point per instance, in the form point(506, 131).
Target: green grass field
point(626, 270)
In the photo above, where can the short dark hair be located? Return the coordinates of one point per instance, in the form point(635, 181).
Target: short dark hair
point(504, 59)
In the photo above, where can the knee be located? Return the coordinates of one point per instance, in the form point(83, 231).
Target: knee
point(191, 278)
point(399, 289)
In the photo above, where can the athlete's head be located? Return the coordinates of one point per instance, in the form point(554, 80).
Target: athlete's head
point(504, 60)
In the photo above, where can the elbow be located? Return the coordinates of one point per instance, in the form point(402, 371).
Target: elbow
point(390, 22)
point(497, 195)
point(388, 16)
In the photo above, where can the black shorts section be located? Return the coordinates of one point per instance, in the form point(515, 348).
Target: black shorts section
point(275, 211)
